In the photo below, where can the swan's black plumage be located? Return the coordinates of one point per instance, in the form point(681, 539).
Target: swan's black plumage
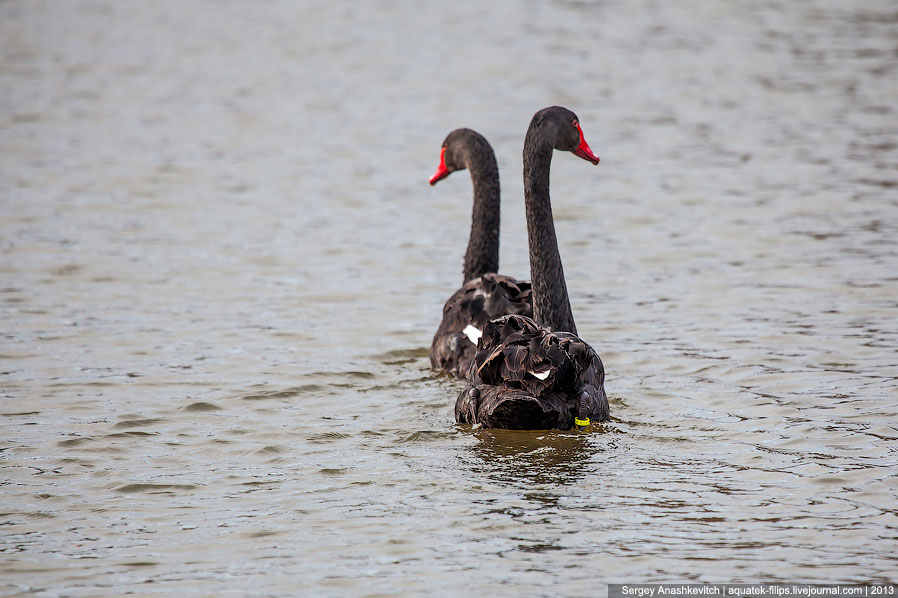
point(475, 304)
point(537, 373)
point(484, 295)
point(527, 377)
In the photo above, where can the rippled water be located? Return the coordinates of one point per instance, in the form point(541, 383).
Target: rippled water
point(222, 266)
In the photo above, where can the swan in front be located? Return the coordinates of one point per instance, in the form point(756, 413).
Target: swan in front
point(536, 373)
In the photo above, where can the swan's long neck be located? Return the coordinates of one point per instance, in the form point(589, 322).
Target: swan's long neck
point(482, 255)
point(551, 305)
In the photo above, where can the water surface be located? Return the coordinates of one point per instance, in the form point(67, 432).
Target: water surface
point(221, 266)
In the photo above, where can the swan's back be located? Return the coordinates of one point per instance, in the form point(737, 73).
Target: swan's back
point(466, 314)
point(525, 376)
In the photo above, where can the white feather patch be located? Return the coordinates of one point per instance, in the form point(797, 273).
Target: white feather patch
point(473, 333)
point(540, 375)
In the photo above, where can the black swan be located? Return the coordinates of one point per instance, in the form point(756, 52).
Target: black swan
point(484, 295)
point(537, 374)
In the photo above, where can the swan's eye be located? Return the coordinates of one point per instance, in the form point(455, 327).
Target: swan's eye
point(575, 122)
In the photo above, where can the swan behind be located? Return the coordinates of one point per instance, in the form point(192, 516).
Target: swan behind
point(484, 295)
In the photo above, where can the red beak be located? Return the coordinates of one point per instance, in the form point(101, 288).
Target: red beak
point(442, 172)
point(583, 150)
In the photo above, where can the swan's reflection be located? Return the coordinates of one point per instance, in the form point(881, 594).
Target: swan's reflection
point(533, 458)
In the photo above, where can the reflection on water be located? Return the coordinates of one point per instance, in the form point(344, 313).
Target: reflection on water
point(221, 267)
point(533, 458)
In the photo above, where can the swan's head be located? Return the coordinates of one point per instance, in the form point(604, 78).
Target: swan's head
point(562, 127)
point(460, 149)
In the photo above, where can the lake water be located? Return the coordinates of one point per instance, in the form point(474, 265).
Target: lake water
point(221, 267)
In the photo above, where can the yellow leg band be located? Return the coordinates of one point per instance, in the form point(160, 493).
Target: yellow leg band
point(581, 422)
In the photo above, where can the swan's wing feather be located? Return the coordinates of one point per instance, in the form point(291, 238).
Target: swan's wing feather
point(475, 304)
point(531, 377)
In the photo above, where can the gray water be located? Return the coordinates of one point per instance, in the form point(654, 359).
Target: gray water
point(222, 266)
